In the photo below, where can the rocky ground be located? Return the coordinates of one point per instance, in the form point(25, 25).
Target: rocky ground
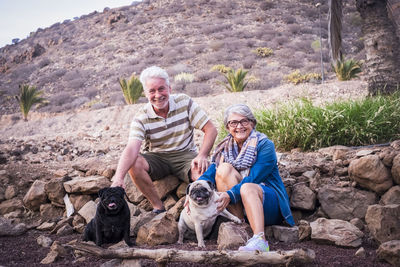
point(66, 139)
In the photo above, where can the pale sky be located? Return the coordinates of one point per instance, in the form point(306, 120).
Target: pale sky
point(20, 17)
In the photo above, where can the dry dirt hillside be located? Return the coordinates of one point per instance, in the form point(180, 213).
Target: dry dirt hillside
point(77, 62)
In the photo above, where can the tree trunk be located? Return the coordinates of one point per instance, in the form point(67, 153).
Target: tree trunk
point(382, 47)
point(293, 257)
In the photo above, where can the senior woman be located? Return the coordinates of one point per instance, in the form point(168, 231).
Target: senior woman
point(245, 171)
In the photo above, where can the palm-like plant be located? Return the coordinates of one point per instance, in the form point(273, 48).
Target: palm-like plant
point(346, 69)
point(28, 96)
point(236, 80)
point(132, 89)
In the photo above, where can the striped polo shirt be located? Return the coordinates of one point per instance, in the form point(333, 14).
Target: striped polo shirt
point(176, 132)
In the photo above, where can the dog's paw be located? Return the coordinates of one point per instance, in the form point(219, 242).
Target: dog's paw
point(201, 245)
point(237, 221)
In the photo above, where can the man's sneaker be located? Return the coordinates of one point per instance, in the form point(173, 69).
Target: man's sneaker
point(256, 243)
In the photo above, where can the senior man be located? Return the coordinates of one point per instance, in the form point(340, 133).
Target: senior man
point(166, 126)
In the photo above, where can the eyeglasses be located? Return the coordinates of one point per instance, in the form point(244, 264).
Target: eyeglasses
point(234, 124)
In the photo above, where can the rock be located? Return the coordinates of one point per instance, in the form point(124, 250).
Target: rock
point(132, 191)
point(304, 230)
point(65, 230)
point(338, 232)
point(46, 226)
point(9, 229)
point(349, 202)
point(387, 158)
point(357, 222)
point(11, 205)
point(134, 210)
point(396, 169)
point(392, 196)
point(35, 196)
point(232, 235)
point(332, 150)
point(181, 190)
point(286, 234)
point(166, 185)
point(361, 253)
point(11, 192)
point(163, 229)
point(369, 172)
point(50, 212)
point(177, 208)
point(364, 152)
point(302, 197)
point(87, 185)
point(139, 221)
point(44, 241)
point(88, 211)
point(384, 222)
point(169, 202)
point(55, 191)
point(78, 201)
point(56, 251)
point(390, 252)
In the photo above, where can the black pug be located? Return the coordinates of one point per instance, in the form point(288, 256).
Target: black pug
point(111, 223)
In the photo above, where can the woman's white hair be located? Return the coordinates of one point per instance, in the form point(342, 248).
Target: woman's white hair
point(153, 72)
point(240, 109)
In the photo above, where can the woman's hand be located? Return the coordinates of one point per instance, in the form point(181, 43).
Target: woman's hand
point(223, 201)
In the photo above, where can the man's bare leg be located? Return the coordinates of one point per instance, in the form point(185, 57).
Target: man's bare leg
point(141, 178)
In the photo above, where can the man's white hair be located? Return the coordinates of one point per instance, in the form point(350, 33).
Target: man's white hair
point(153, 72)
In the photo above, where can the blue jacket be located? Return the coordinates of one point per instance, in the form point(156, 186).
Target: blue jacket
point(265, 171)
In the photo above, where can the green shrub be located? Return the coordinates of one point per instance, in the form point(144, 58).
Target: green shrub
point(316, 45)
point(300, 124)
point(236, 80)
point(296, 77)
point(28, 96)
point(346, 69)
point(221, 68)
point(132, 89)
point(263, 51)
point(185, 77)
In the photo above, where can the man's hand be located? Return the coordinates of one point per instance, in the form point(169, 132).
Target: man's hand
point(118, 182)
point(200, 163)
point(223, 201)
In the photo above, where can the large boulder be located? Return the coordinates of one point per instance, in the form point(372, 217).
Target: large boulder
point(338, 232)
point(302, 197)
point(232, 235)
point(369, 172)
point(392, 196)
point(163, 229)
point(384, 222)
point(35, 196)
point(11, 205)
point(166, 185)
point(348, 202)
point(9, 229)
point(390, 252)
point(55, 191)
point(396, 169)
point(88, 211)
point(87, 185)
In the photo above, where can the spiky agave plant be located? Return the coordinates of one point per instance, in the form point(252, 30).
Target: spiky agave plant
point(132, 89)
point(28, 96)
point(346, 69)
point(236, 80)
